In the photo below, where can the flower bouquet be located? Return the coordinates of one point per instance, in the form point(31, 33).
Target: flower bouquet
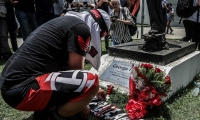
point(147, 84)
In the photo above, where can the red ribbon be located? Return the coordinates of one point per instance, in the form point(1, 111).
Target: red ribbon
point(156, 101)
point(131, 86)
point(136, 109)
point(110, 89)
point(140, 100)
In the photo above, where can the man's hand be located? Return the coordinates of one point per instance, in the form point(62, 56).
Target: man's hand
point(101, 94)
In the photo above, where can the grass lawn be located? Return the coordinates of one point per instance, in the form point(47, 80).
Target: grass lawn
point(181, 106)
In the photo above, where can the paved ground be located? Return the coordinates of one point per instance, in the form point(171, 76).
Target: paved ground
point(178, 33)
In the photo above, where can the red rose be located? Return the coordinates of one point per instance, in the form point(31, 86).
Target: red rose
point(147, 66)
point(167, 80)
point(150, 66)
point(157, 70)
point(143, 65)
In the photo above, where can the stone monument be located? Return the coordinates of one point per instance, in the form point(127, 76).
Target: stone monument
point(181, 62)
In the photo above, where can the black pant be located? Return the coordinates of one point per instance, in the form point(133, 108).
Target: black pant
point(192, 30)
point(42, 18)
point(164, 22)
point(188, 30)
point(106, 41)
point(154, 7)
point(12, 25)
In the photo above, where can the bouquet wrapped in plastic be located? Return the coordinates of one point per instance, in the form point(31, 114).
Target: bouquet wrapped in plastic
point(147, 84)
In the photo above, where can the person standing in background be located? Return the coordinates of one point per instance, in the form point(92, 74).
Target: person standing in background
point(170, 18)
point(106, 6)
point(44, 11)
point(11, 24)
point(164, 14)
point(192, 27)
point(120, 24)
point(58, 7)
point(5, 52)
point(25, 13)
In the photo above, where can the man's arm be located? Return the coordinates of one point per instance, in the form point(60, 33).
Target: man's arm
point(76, 61)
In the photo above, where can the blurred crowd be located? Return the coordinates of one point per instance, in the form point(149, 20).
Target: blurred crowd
point(30, 14)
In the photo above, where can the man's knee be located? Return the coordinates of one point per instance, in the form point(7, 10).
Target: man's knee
point(91, 87)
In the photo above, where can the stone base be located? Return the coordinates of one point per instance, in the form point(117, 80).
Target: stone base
point(177, 49)
point(181, 71)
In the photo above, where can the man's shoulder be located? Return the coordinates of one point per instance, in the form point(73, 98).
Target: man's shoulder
point(69, 18)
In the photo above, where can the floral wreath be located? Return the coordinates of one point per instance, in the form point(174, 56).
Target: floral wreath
point(147, 84)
